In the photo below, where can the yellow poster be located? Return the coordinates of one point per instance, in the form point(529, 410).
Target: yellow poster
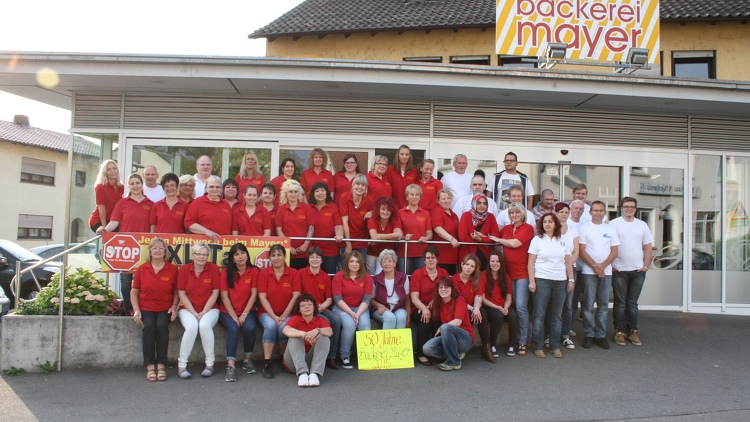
point(384, 349)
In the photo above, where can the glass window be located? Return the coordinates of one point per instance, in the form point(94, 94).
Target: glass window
point(89, 150)
point(478, 60)
point(435, 59)
point(34, 226)
point(694, 64)
point(37, 171)
point(737, 230)
point(516, 61)
point(706, 204)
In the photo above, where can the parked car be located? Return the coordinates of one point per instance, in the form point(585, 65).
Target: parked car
point(10, 253)
point(85, 257)
point(4, 303)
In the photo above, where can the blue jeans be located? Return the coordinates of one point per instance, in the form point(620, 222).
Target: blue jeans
point(552, 292)
point(521, 295)
point(451, 342)
point(570, 308)
point(414, 263)
point(348, 328)
point(335, 322)
point(595, 289)
point(233, 334)
point(391, 320)
point(627, 286)
point(271, 330)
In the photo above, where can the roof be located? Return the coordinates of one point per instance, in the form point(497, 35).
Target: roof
point(47, 139)
point(321, 17)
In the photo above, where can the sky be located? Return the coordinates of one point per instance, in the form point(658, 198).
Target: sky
point(215, 28)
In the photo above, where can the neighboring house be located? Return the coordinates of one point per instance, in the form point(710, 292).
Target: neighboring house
point(698, 38)
point(36, 181)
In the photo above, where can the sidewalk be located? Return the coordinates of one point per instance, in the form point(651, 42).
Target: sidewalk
point(690, 368)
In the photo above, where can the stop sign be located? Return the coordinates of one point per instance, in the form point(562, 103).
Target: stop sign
point(122, 252)
point(262, 260)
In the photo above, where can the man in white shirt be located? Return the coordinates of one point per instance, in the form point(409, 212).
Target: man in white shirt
point(458, 181)
point(152, 189)
point(574, 222)
point(581, 192)
point(501, 182)
point(598, 244)
point(204, 166)
point(630, 266)
point(515, 193)
point(463, 203)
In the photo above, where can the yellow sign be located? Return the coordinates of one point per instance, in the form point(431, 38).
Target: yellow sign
point(384, 349)
point(601, 30)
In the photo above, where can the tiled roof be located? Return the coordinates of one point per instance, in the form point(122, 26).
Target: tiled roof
point(318, 17)
point(47, 139)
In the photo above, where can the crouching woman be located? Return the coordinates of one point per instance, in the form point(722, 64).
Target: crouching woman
point(455, 336)
point(309, 341)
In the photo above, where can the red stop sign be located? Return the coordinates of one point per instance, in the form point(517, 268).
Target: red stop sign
point(262, 260)
point(122, 252)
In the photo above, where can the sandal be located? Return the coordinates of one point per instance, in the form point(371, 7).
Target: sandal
point(151, 374)
point(183, 373)
point(161, 374)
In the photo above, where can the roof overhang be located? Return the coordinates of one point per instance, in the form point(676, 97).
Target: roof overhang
point(357, 79)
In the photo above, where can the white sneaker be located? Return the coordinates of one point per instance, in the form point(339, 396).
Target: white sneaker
point(569, 343)
point(494, 352)
point(304, 381)
point(313, 380)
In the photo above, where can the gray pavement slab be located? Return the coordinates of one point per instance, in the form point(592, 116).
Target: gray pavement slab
point(691, 367)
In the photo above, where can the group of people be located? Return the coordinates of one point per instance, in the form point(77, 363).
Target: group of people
point(496, 253)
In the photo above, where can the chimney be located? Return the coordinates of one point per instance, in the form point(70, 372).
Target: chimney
point(21, 120)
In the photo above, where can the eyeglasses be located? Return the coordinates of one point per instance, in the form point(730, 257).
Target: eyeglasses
point(158, 249)
point(350, 163)
point(213, 187)
point(444, 287)
point(381, 164)
point(628, 207)
point(200, 254)
point(509, 161)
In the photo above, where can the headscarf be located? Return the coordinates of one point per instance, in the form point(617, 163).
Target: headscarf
point(476, 217)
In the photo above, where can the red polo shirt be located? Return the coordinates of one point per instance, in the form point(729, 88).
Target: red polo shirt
point(466, 227)
point(298, 322)
point(350, 290)
point(251, 225)
point(356, 215)
point(517, 259)
point(255, 181)
point(318, 285)
point(430, 191)
point(415, 223)
point(199, 287)
point(213, 215)
point(400, 182)
point(341, 184)
point(133, 216)
point(422, 283)
point(156, 291)
point(467, 290)
point(495, 296)
point(310, 177)
point(107, 195)
point(377, 187)
point(242, 290)
point(278, 291)
point(374, 224)
point(169, 220)
point(278, 182)
point(460, 311)
point(295, 222)
point(326, 219)
point(449, 223)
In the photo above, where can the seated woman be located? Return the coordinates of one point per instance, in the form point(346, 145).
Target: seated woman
point(210, 215)
point(455, 336)
point(239, 291)
point(478, 225)
point(198, 288)
point(352, 291)
point(251, 219)
point(385, 225)
point(422, 286)
point(390, 298)
point(496, 308)
point(278, 288)
point(154, 299)
point(309, 342)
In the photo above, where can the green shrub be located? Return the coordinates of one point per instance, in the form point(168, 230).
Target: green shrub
point(84, 295)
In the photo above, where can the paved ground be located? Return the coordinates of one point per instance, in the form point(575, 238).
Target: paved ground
point(690, 368)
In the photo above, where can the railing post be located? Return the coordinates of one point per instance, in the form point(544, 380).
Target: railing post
point(60, 320)
point(406, 258)
point(18, 284)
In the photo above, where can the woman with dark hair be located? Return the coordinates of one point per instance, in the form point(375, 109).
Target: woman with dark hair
point(385, 225)
point(317, 161)
point(168, 215)
point(239, 291)
point(445, 224)
point(250, 173)
point(198, 288)
point(108, 191)
point(421, 288)
point(478, 225)
point(343, 179)
point(402, 173)
point(309, 342)
point(429, 184)
point(154, 299)
point(551, 277)
point(378, 183)
point(230, 191)
point(355, 208)
point(278, 288)
point(268, 201)
point(210, 214)
point(496, 308)
point(467, 283)
point(328, 224)
point(251, 219)
point(390, 302)
point(417, 225)
point(295, 219)
point(130, 215)
point(352, 291)
point(286, 172)
point(455, 337)
point(569, 235)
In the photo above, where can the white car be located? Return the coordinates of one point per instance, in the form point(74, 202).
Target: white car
point(85, 257)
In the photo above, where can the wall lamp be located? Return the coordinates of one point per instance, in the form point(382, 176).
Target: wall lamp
point(555, 52)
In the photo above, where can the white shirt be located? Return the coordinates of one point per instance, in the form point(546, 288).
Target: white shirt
point(572, 225)
point(506, 181)
point(458, 184)
point(550, 257)
point(633, 236)
point(464, 204)
point(597, 240)
point(503, 219)
point(586, 216)
point(392, 298)
point(200, 187)
point(154, 194)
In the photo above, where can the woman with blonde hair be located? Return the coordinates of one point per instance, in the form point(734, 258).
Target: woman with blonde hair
point(317, 161)
point(295, 219)
point(108, 190)
point(250, 173)
point(186, 188)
